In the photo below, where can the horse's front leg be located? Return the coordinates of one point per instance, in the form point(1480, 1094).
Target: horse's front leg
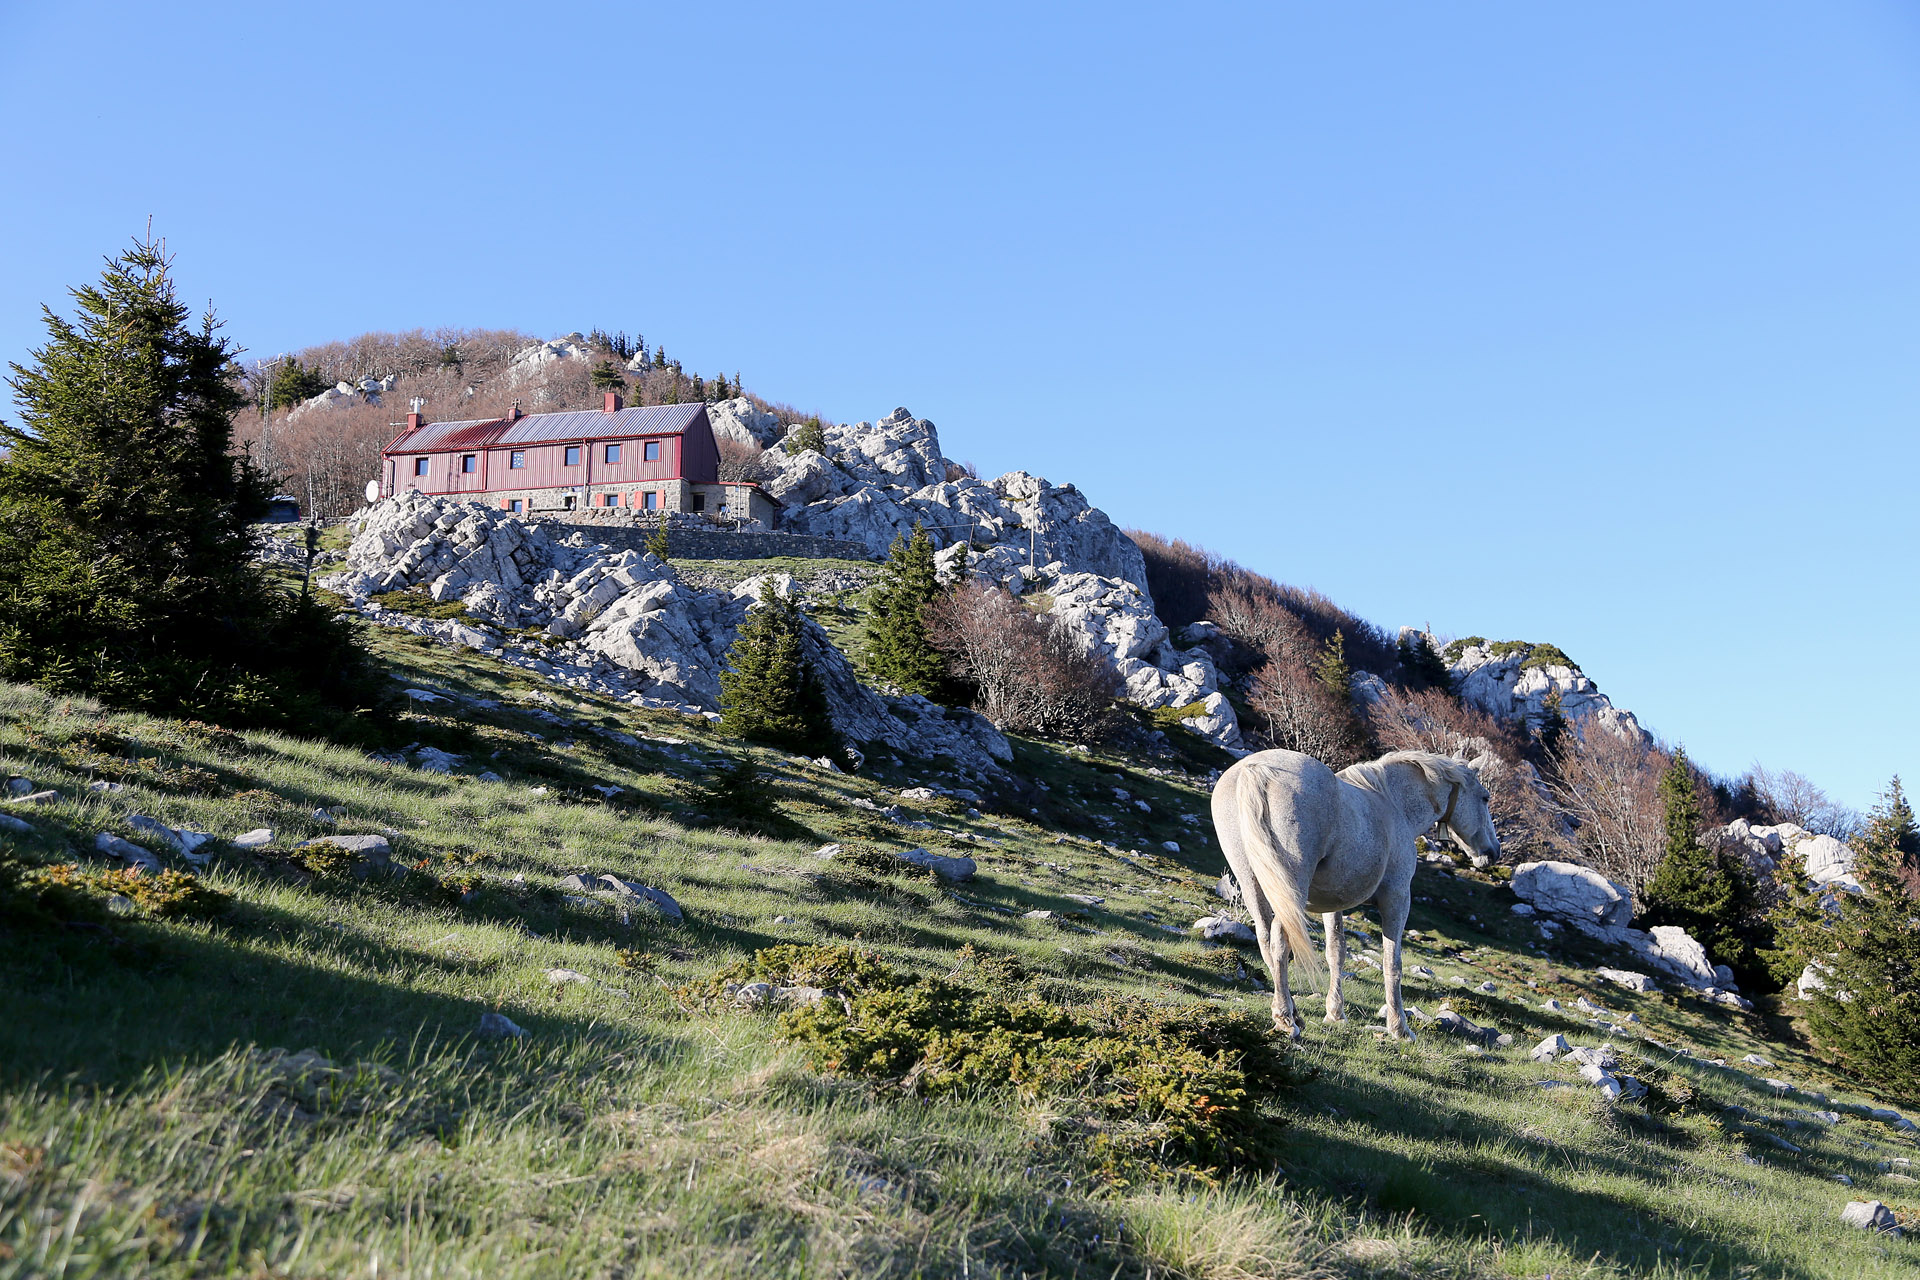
point(1393, 907)
point(1334, 923)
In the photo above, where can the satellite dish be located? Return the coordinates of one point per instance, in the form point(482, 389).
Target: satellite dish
point(373, 491)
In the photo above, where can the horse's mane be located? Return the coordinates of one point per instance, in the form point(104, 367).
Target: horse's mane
point(1443, 769)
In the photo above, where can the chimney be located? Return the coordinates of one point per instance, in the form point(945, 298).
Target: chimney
point(614, 402)
point(513, 414)
point(413, 416)
point(413, 422)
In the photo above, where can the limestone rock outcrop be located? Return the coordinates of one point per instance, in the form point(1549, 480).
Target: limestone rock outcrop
point(360, 391)
point(531, 361)
point(623, 620)
point(877, 478)
point(1509, 685)
point(738, 420)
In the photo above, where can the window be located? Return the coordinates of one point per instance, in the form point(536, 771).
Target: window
point(469, 463)
point(699, 502)
point(566, 503)
point(419, 466)
point(613, 453)
point(513, 505)
point(650, 501)
point(650, 451)
point(609, 499)
point(573, 455)
point(517, 459)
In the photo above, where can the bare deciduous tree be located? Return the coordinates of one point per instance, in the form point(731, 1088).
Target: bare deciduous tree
point(1789, 797)
point(740, 460)
point(1029, 673)
point(1609, 787)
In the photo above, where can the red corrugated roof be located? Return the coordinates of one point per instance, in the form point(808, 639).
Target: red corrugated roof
point(544, 428)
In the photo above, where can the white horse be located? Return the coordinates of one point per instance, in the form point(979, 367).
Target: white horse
point(1301, 838)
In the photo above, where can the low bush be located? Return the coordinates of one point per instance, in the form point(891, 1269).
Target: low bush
point(68, 891)
point(1141, 1089)
point(416, 603)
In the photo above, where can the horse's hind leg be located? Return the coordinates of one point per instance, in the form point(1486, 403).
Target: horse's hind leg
point(1273, 949)
point(1336, 965)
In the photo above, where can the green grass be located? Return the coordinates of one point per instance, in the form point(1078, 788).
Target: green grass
point(145, 1129)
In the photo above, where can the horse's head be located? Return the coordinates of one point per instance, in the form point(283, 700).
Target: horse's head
point(1464, 813)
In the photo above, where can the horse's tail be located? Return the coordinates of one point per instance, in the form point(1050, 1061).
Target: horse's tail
point(1279, 883)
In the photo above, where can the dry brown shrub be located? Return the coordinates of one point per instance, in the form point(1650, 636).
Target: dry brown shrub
point(740, 460)
point(1609, 788)
point(1028, 671)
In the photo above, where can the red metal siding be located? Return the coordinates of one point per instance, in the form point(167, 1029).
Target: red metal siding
point(702, 455)
point(692, 456)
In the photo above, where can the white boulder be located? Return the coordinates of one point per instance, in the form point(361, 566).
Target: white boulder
point(1574, 893)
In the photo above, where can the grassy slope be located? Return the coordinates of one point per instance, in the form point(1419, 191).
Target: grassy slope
point(140, 1133)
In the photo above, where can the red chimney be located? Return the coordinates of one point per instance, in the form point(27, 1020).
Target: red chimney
point(413, 422)
point(513, 415)
point(614, 402)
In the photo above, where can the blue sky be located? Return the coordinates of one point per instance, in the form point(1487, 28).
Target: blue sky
point(1591, 325)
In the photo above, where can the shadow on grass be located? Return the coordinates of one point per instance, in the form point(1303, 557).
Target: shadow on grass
point(1466, 1181)
point(100, 1007)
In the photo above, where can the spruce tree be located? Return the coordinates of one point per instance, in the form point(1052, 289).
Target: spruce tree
point(1333, 671)
point(802, 438)
point(1422, 663)
point(1552, 725)
point(769, 692)
point(1705, 890)
point(898, 651)
point(292, 384)
point(657, 542)
point(607, 378)
point(126, 567)
point(1868, 1016)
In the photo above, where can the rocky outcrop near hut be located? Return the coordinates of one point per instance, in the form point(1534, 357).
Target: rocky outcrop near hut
point(1512, 682)
point(618, 622)
point(877, 479)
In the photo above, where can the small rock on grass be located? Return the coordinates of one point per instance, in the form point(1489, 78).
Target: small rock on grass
point(1216, 928)
point(258, 838)
point(561, 977)
point(16, 825)
point(128, 852)
point(19, 786)
point(784, 920)
point(1551, 1049)
point(498, 1026)
point(39, 797)
point(1870, 1215)
point(945, 867)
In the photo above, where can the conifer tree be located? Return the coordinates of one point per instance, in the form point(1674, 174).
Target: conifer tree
point(126, 567)
point(1332, 670)
point(607, 378)
point(1868, 948)
point(1705, 890)
point(810, 436)
point(657, 542)
point(769, 692)
point(1421, 666)
point(898, 650)
point(292, 383)
point(1553, 724)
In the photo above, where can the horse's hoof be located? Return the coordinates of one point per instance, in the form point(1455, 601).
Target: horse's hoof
point(1336, 1017)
